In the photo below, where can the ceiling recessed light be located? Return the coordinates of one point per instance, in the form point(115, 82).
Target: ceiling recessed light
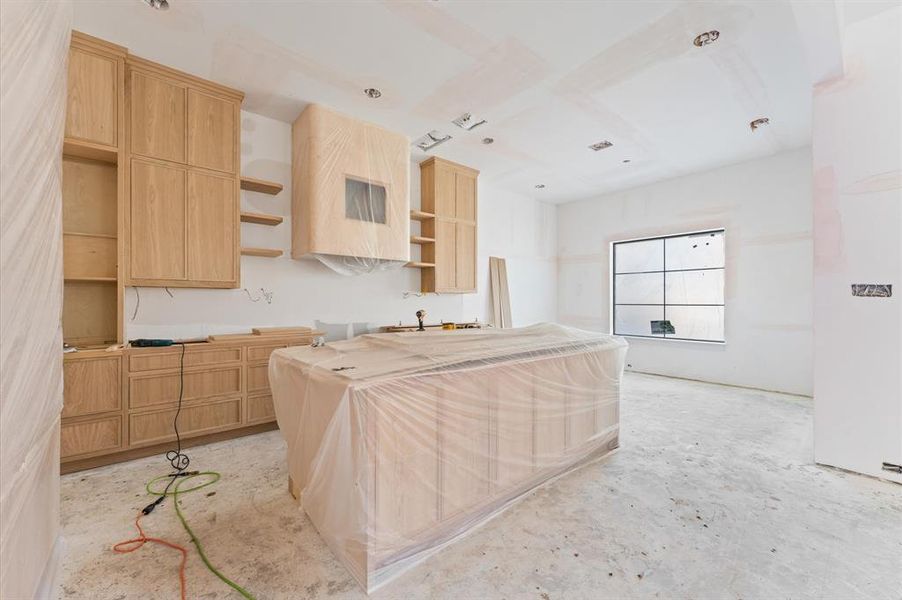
point(431, 140)
point(468, 121)
point(488, 141)
point(372, 93)
point(601, 145)
point(626, 160)
point(709, 37)
point(158, 4)
point(759, 123)
point(540, 186)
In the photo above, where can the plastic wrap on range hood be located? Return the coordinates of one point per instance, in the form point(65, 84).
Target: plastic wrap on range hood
point(350, 203)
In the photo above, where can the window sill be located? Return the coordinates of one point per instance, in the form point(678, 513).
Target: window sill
point(671, 339)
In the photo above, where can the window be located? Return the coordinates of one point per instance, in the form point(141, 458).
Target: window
point(670, 287)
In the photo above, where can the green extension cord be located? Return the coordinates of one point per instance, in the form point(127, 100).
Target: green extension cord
point(176, 490)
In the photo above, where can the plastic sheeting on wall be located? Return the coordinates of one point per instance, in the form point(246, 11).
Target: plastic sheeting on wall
point(400, 443)
point(350, 193)
point(33, 59)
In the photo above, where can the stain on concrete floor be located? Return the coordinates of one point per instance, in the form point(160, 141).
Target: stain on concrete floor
point(713, 494)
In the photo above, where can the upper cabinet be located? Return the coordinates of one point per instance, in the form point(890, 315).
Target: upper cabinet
point(93, 97)
point(183, 209)
point(212, 132)
point(158, 117)
point(448, 191)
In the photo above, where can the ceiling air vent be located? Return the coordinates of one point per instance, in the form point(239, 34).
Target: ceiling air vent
point(468, 122)
point(431, 140)
point(759, 123)
point(709, 37)
point(601, 145)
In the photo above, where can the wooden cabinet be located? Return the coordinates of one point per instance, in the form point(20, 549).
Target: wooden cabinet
point(92, 113)
point(158, 117)
point(212, 127)
point(448, 197)
point(183, 205)
point(157, 227)
point(92, 404)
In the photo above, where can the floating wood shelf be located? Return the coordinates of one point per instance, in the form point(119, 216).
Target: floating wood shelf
point(418, 239)
point(92, 279)
point(260, 218)
point(91, 150)
point(267, 252)
point(418, 215)
point(259, 185)
point(420, 265)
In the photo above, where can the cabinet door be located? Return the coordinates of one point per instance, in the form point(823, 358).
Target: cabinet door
point(445, 259)
point(91, 386)
point(212, 229)
point(158, 109)
point(92, 92)
point(465, 257)
point(465, 196)
point(444, 191)
point(211, 132)
point(157, 222)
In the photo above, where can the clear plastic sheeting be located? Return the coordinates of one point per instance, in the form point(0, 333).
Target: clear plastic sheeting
point(350, 193)
point(400, 443)
point(33, 59)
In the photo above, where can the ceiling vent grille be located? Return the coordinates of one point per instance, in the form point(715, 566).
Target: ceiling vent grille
point(431, 140)
point(602, 145)
point(468, 122)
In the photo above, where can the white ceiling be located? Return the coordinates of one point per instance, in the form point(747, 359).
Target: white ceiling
point(550, 77)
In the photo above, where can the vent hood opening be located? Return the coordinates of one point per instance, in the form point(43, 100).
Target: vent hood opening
point(358, 265)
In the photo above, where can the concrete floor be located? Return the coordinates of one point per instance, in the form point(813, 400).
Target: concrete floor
point(712, 495)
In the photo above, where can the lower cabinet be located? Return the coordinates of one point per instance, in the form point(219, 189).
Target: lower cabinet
point(118, 405)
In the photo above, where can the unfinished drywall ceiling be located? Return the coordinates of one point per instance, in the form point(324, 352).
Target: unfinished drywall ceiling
point(550, 81)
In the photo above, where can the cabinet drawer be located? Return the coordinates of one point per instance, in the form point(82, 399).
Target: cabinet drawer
point(153, 361)
point(262, 352)
point(91, 386)
point(90, 436)
point(260, 409)
point(258, 378)
point(150, 390)
point(156, 427)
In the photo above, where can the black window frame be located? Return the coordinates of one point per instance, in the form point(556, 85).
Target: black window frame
point(664, 271)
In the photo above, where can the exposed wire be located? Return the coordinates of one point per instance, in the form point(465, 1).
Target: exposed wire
point(137, 304)
point(168, 291)
point(407, 295)
point(264, 295)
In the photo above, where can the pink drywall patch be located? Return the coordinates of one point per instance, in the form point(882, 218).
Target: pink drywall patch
point(828, 232)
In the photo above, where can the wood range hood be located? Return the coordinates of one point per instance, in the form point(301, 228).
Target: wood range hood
point(350, 200)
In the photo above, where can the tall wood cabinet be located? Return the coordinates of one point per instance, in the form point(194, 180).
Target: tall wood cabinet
point(183, 211)
point(448, 226)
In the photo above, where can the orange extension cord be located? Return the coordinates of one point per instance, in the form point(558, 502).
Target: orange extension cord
point(122, 548)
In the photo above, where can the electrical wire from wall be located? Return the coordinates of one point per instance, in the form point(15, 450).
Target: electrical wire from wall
point(137, 303)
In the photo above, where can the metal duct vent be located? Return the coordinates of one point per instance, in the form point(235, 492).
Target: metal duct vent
point(431, 140)
point(601, 145)
point(468, 122)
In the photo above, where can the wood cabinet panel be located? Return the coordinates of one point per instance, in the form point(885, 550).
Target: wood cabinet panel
point(212, 129)
point(157, 245)
point(258, 378)
point(514, 433)
point(92, 100)
point(260, 409)
point(150, 390)
point(151, 360)
point(89, 313)
point(89, 256)
point(445, 203)
point(445, 255)
point(91, 386)
point(212, 232)
point(465, 257)
point(262, 352)
point(87, 437)
point(156, 426)
point(406, 475)
point(158, 117)
point(464, 443)
point(465, 196)
point(89, 197)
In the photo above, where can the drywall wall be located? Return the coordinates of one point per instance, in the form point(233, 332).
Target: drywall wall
point(857, 231)
point(765, 207)
point(283, 291)
point(33, 60)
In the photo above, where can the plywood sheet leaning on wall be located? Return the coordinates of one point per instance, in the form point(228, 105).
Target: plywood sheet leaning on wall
point(33, 99)
point(501, 301)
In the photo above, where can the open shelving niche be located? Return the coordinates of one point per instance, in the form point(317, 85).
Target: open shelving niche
point(420, 240)
point(261, 186)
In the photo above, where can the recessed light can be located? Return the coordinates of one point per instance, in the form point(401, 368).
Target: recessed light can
point(372, 93)
point(540, 186)
point(488, 140)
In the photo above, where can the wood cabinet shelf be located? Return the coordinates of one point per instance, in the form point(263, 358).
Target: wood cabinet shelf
point(92, 279)
point(419, 265)
point(259, 185)
point(90, 150)
point(418, 215)
point(265, 252)
point(260, 218)
point(418, 239)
